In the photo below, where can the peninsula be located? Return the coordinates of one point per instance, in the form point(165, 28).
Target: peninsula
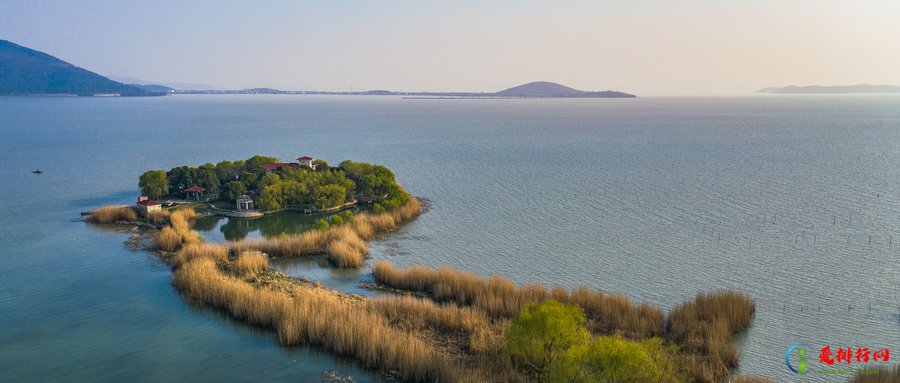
point(426, 324)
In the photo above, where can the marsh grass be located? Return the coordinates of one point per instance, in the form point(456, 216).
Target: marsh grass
point(501, 298)
point(178, 233)
point(112, 214)
point(704, 327)
point(159, 217)
point(251, 262)
point(345, 245)
point(308, 316)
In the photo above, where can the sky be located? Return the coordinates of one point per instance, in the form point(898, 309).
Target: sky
point(636, 46)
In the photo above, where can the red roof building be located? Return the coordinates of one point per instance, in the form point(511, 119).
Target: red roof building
point(194, 189)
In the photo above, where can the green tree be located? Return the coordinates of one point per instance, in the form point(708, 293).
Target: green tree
point(336, 220)
point(270, 198)
point(322, 224)
point(154, 184)
point(329, 196)
point(321, 165)
point(545, 337)
point(181, 178)
point(347, 215)
point(233, 190)
point(377, 208)
point(613, 359)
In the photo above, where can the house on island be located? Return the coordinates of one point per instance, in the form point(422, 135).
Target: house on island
point(194, 192)
point(305, 161)
point(146, 206)
point(244, 202)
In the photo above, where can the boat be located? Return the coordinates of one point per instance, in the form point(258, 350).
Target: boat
point(37, 171)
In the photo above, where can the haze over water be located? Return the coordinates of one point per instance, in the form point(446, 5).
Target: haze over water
point(792, 200)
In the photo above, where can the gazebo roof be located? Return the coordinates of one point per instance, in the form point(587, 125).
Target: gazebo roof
point(305, 158)
point(194, 189)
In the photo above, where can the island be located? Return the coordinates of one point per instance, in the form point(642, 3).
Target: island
point(838, 89)
point(25, 71)
point(427, 324)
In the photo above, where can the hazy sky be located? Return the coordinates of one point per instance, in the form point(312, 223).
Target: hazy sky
point(638, 46)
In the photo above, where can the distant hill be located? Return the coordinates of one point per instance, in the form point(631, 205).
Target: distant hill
point(554, 90)
point(839, 89)
point(26, 71)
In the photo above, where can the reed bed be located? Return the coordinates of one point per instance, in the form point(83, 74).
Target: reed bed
point(744, 378)
point(501, 298)
point(309, 316)
point(251, 262)
point(178, 233)
point(158, 217)
point(193, 251)
point(703, 327)
point(345, 245)
point(112, 214)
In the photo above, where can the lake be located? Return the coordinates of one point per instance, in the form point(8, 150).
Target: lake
point(793, 200)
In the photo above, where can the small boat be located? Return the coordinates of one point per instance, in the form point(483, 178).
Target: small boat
point(37, 171)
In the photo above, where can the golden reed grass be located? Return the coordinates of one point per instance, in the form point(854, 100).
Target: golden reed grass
point(178, 233)
point(345, 245)
point(112, 214)
point(703, 328)
point(501, 298)
point(251, 262)
point(311, 316)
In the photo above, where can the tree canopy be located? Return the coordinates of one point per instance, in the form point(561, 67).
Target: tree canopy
point(552, 344)
point(282, 186)
point(154, 184)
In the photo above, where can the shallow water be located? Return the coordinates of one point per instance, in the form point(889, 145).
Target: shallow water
point(656, 198)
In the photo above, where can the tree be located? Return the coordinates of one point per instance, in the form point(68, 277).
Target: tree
point(154, 184)
point(182, 177)
point(233, 190)
point(544, 337)
point(329, 196)
point(270, 198)
point(336, 220)
point(321, 165)
point(322, 224)
point(613, 359)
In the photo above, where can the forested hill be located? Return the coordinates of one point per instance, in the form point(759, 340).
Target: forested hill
point(25, 71)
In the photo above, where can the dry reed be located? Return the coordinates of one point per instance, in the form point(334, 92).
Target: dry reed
point(251, 262)
point(345, 245)
point(703, 328)
point(310, 316)
point(500, 298)
point(112, 214)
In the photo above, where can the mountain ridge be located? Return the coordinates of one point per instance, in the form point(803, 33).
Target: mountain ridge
point(25, 71)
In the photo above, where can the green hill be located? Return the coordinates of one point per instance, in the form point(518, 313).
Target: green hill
point(26, 71)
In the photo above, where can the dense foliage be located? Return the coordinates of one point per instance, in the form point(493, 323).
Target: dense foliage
point(153, 184)
point(550, 341)
point(274, 189)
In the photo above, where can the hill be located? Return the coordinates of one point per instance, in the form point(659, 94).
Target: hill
point(839, 89)
point(27, 71)
point(554, 90)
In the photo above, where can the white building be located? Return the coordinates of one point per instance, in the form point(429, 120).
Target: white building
point(307, 161)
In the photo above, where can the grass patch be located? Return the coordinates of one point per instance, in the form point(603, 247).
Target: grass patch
point(251, 262)
point(112, 214)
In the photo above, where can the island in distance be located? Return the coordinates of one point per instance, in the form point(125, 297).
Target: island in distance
point(25, 71)
point(838, 89)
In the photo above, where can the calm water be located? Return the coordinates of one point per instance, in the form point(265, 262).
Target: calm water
point(793, 200)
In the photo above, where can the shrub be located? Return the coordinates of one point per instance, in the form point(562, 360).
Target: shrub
point(544, 336)
point(322, 224)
